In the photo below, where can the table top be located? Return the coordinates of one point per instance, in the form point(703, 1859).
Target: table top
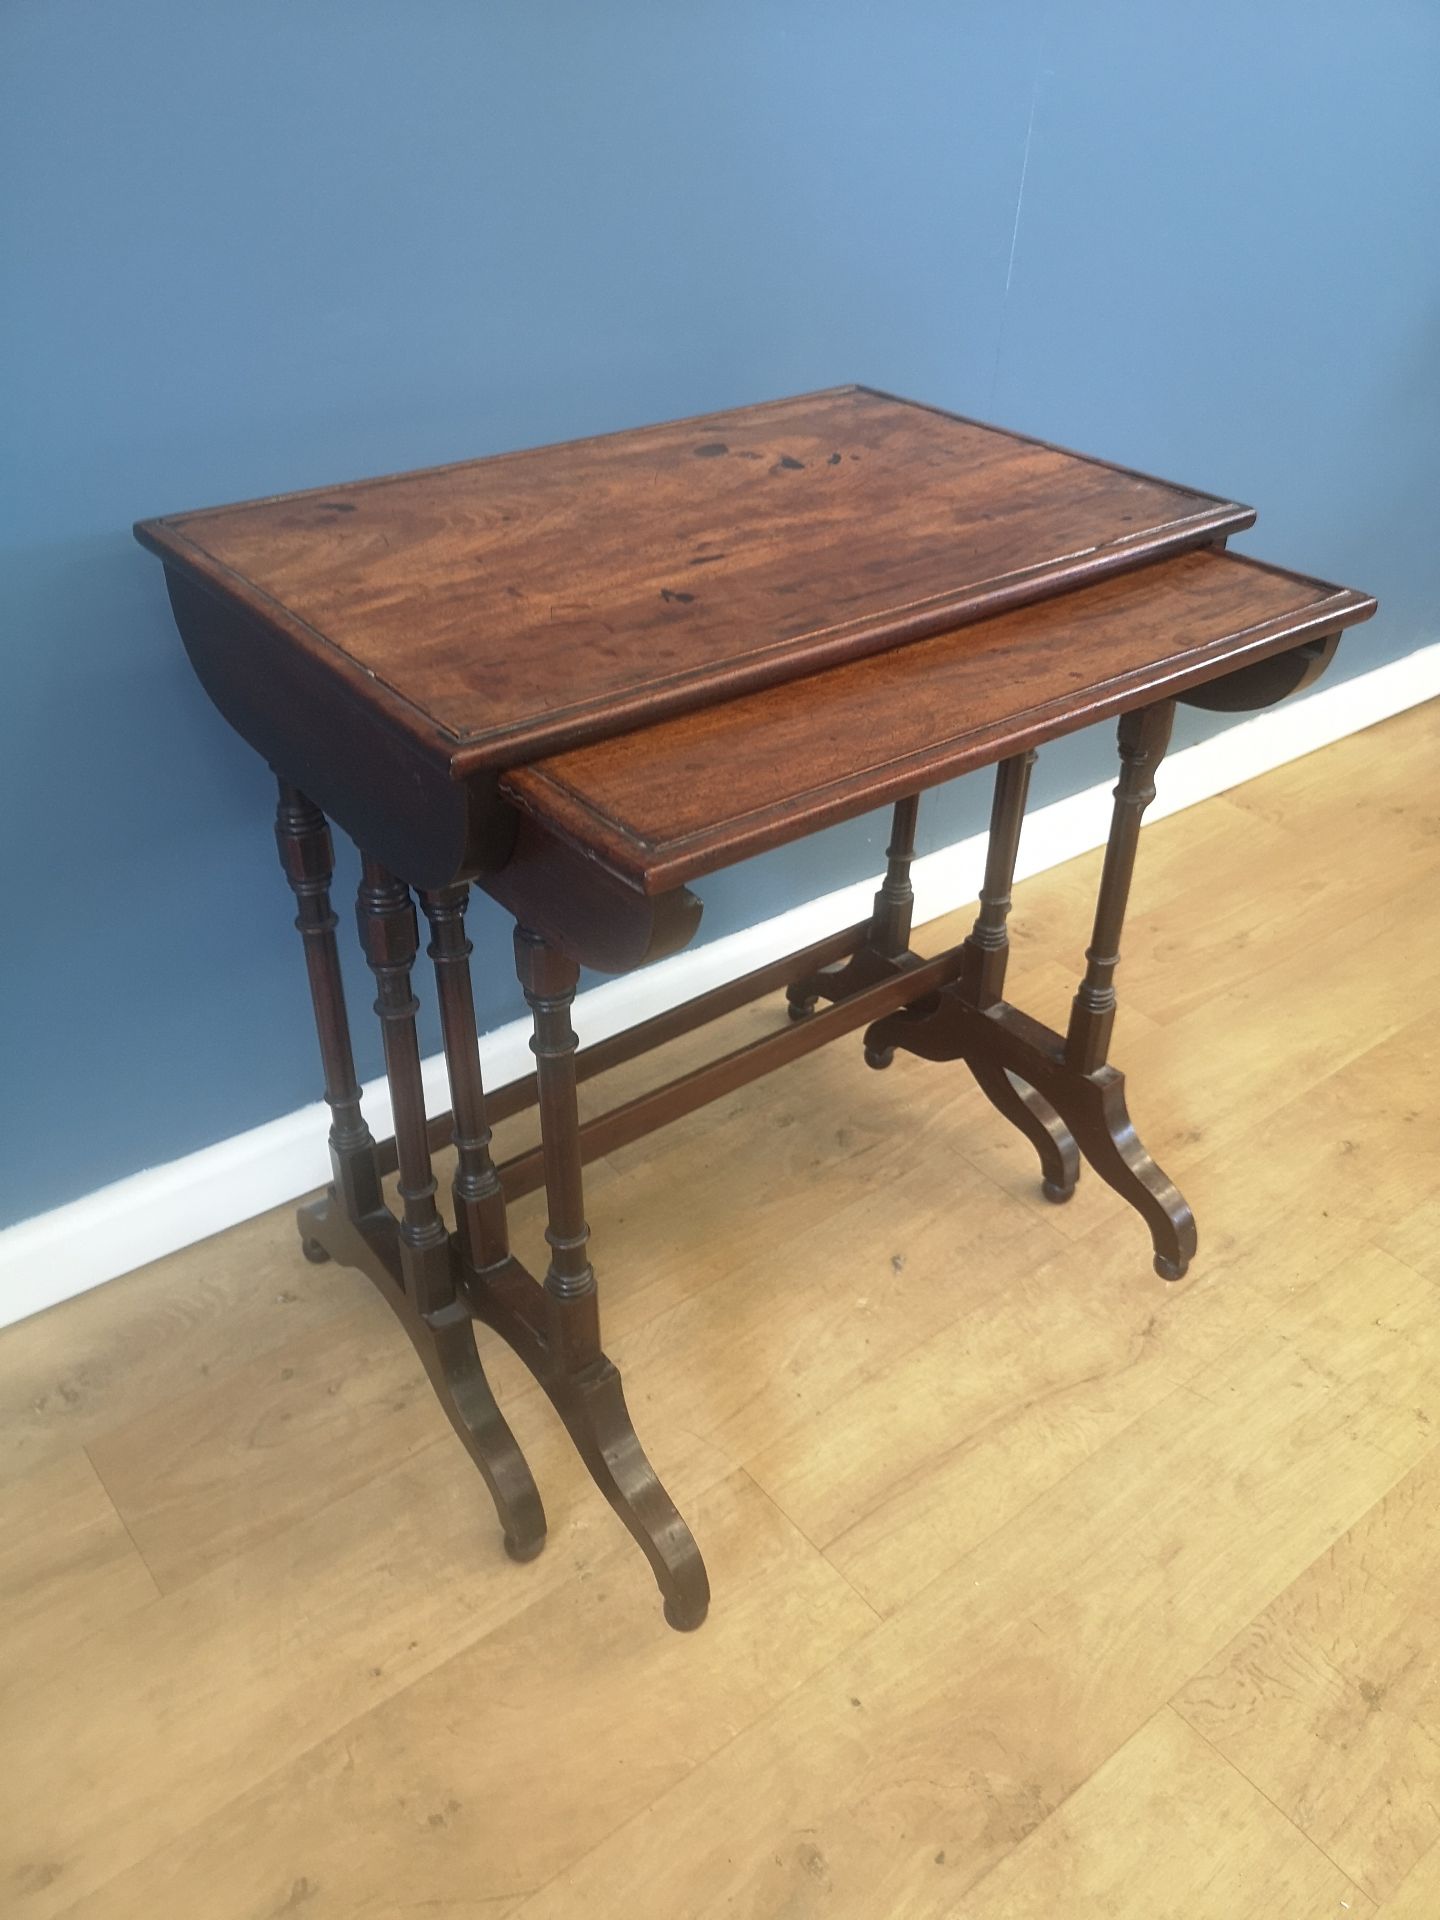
point(510, 606)
point(670, 802)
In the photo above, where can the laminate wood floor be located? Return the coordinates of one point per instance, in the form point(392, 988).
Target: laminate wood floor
point(1041, 1589)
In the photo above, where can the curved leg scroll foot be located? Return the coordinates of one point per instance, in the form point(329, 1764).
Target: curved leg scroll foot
point(445, 1342)
point(827, 983)
point(592, 1405)
point(581, 1381)
point(1038, 1121)
point(1065, 1113)
point(925, 1029)
point(321, 1227)
point(1108, 1139)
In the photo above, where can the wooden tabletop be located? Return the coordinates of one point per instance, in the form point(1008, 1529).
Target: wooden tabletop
point(510, 606)
point(668, 803)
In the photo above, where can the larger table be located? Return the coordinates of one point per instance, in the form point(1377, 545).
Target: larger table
point(583, 677)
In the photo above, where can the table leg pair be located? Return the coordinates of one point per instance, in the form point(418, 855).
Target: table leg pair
point(1059, 1090)
point(440, 1282)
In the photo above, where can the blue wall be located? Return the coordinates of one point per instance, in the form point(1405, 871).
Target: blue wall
point(249, 246)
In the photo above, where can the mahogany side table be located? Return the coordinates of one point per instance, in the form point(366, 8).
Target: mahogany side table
point(585, 676)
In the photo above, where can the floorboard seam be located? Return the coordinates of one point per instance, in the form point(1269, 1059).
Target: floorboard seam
point(1234, 1766)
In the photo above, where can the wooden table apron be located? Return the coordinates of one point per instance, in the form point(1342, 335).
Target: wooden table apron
point(586, 888)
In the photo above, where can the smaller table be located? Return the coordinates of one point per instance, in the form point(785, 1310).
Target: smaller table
point(584, 677)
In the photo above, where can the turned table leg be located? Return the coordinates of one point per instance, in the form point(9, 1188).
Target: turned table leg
point(987, 945)
point(582, 1382)
point(982, 982)
point(1060, 1090)
point(308, 858)
point(480, 1223)
point(894, 908)
point(390, 937)
point(886, 946)
point(1102, 1123)
point(895, 902)
point(1144, 736)
point(437, 1320)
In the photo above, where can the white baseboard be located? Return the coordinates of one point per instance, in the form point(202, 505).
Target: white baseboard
point(78, 1246)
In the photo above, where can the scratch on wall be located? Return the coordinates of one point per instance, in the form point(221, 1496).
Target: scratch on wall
point(1040, 80)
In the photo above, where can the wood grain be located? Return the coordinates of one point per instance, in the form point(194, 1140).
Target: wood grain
point(664, 805)
point(267, 1446)
point(1414, 1236)
point(980, 1418)
point(68, 1565)
point(507, 603)
point(416, 1805)
point(967, 1718)
point(90, 1366)
point(1330, 1700)
point(1418, 1895)
point(212, 1687)
point(1226, 1850)
point(394, 646)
